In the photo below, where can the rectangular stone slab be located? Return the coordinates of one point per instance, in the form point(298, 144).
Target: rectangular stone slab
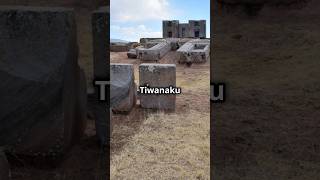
point(124, 87)
point(101, 62)
point(101, 48)
point(41, 94)
point(157, 75)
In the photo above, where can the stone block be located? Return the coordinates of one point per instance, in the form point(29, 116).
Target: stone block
point(101, 39)
point(132, 54)
point(123, 88)
point(194, 51)
point(157, 75)
point(40, 88)
point(101, 58)
point(156, 52)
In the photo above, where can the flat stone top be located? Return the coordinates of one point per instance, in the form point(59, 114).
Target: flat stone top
point(34, 9)
point(159, 65)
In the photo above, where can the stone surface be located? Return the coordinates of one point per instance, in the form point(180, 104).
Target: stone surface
point(101, 58)
point(40, 80)
point(132, 54)
point(170, 29)
point(157, 75)
point(195, 51)
point(4, 167)
point(192, 29)
point(100, 30)
point(123, 88)
point(154, 53)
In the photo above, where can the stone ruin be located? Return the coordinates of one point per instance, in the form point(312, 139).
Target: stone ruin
point(157, 75)
point(153, 50)
point(195, 51)
point(192, 29)
point(123, 88)
point(191, 49)
point(42, 89)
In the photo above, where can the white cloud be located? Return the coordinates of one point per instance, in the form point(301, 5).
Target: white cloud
point(139, 10)
point(134, 33)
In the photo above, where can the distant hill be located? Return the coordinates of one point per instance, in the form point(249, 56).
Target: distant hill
point(118, 41)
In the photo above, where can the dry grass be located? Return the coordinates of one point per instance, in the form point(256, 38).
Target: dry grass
point(167, 146)
point(158, 145)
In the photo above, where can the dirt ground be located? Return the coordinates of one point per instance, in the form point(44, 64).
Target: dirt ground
point(269, 126)
point(165, 145)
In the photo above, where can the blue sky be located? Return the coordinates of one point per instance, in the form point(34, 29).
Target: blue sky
point(133, 19)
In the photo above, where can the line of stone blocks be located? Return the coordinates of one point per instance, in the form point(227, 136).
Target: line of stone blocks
point(157, 75)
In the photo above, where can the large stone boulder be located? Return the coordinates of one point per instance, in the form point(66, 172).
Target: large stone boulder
point(157, 75)
point(42, 89)
point(132, 54)
point(155, 51)
point(195, 51)
point(123, 88)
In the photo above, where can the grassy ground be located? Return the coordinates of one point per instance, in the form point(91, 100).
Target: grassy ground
point(158, 145)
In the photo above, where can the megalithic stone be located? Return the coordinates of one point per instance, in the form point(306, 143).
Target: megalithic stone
point(157, 75)
point(42, 96)
point(101, 40)
point(123, 88)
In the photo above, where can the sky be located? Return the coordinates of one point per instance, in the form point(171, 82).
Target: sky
point(131, 20)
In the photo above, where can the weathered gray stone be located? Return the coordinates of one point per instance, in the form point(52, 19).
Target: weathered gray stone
point(101, 39)
point(40, 83)
point(157, 75)
point(123, 88)
point(100, 30)
point(195, 51)
point(132, 53)
point(170, 29)
point(4, 167)
point(192, 29)
point(156, 52)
